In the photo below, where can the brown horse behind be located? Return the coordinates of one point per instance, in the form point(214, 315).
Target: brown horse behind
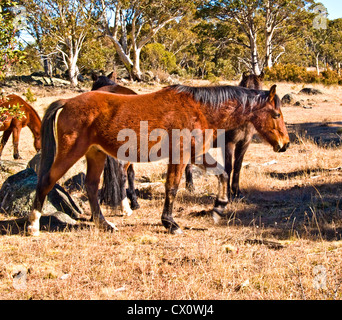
point(13, 125)
point(96, 123)
point(113, 190)
point(237, 143)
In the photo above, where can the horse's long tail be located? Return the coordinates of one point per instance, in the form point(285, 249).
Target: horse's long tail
point(48, 137)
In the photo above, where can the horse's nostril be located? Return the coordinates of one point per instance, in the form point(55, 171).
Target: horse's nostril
point(285, 147)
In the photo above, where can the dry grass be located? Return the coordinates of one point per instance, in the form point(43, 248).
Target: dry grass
point(288, 228)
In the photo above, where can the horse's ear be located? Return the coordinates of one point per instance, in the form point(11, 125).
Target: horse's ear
point(245, 75)
point(94, 76)
point(273, 92)
point(262, 75)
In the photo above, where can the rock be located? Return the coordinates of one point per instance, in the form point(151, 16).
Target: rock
point(287, 99)
point(18, 192)
point(56, 221)
point(148, 76)
point(310, 91)
point(34, 163)
point(76, 183)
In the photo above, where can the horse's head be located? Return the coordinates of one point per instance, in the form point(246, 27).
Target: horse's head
point(252, 81)
point(37, 143)
point(269, 122)
point(103, 81)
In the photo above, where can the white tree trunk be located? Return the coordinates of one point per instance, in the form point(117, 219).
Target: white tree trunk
point(254, 54)
point(73, 72)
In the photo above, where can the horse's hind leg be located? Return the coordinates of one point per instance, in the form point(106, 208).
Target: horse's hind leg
point(189, 182)
point(4, 140)
point(213, 167)
point(131, 188)
point(45, 184)
point(125, 207)
point(174, 175)
point(16, 135)
point(95, 165)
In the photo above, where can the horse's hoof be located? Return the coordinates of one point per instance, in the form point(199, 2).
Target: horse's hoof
point(135, 205)
point(125, 208)
point(108, 226)
point(127, 212)
point(33, 231)
point(178, 231)
point(190, 188)
point(113, 226)
point(217, 218)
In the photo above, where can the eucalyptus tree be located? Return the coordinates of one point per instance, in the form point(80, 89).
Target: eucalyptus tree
point(61, 26)
point(132, 24)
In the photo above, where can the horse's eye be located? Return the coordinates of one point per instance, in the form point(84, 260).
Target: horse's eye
point(275, 114)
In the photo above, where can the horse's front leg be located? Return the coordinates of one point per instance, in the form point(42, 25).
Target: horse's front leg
point(240, 152)
point(16, 135)
point(211, 166)
point(228, 159)
point(174, 175)
point(4, 140)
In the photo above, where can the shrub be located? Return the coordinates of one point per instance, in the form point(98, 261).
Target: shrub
point(294, 73)
point(29, 95)
point(155, 56)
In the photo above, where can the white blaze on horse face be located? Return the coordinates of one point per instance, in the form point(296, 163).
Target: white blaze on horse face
point(33, 228)
point(125, 208)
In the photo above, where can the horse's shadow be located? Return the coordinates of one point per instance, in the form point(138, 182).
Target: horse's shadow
point(47, 223)
point(313, 212)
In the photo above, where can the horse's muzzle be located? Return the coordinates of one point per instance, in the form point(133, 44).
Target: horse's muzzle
point(280, 149)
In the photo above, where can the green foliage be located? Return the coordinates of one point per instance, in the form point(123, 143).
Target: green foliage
point(154, 56)
point(10, 111)
point(29, 95)
point(205, 39)
point(9, 45)
point(295, 73)
point(96, 54)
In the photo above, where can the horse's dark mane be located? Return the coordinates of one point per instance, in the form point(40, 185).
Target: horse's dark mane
point(102, 81)
point(216, 96)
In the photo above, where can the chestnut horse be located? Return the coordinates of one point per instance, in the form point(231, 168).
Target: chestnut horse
point(94, 122)
point(237, 143)
point(13, 125)
point(114, 175)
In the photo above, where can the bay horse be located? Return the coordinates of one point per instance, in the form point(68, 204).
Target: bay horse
point(114, 176)
point(91, 124)
point(13, 125)
point(237, 143)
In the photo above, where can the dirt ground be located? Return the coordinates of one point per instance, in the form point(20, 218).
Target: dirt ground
point(276, 243)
